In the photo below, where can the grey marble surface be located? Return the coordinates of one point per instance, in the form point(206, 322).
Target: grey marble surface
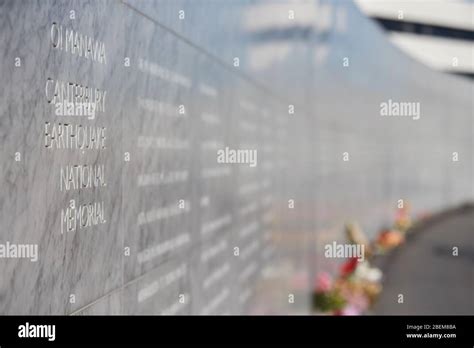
point(155, 256)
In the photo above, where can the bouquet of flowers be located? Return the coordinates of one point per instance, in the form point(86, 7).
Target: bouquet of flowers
point(351, 293)
point(389, 239)
point(327, 298)
point(402, 219)
point(358, 284)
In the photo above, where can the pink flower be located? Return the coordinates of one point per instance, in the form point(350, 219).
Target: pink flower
point(349, 310)
point(323, 282)
point(357, 302)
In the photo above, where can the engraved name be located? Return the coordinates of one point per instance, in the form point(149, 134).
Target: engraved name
point(71, 92)
point(82, 216)
point(76, 43)
point(74, 136)
point(76, 177)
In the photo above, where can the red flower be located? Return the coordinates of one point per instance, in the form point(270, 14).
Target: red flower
point(348, 267)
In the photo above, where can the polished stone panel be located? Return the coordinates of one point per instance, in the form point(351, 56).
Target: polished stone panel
point(82, 262)
point(167, 228)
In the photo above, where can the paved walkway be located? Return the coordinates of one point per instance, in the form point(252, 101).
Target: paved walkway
point(424, 270)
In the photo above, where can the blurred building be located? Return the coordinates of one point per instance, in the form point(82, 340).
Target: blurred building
point(438, 33)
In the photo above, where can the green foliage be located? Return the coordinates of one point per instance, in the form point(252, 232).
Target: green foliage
point(328, 301)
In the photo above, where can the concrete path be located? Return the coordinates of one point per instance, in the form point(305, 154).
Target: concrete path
point(424, 270)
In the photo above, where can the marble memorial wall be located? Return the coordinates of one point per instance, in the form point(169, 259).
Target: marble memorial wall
point(125, 197)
